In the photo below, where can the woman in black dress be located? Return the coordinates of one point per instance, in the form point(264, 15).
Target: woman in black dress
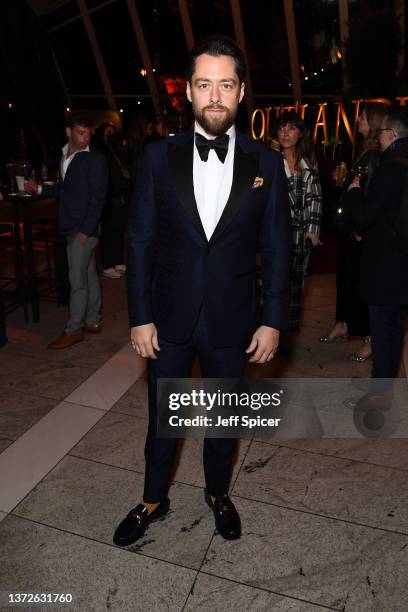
point(351, 313)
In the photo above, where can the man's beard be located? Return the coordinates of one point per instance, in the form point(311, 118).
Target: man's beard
point(215, 125)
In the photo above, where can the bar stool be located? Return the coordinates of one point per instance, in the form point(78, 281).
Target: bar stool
point(12, 282)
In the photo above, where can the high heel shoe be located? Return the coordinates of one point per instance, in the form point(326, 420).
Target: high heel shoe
point(361, 358)
point(335, 337)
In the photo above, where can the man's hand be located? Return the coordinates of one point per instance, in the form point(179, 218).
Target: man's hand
point(82, 237)
point(30, 186)
point(313, 237)
point(355, 183)
point(144, 340)
point(265, 344)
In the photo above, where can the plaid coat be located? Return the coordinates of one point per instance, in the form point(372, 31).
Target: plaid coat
point(305, 201)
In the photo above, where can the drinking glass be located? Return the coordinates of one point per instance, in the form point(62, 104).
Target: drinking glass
point(11, 171)
point(362, 171)
point(26, 171)
point(22, 173)
point(29, 174)
point(340, 173)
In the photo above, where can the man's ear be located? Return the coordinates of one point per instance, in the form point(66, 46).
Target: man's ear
point(188, 91)
point(241, 93)
point(68, 133)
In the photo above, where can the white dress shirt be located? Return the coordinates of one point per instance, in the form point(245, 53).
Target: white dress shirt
point(65, 161)
point(212, 182)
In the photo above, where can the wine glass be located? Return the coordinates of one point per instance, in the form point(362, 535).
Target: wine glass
point(11, 171)
point(22, 174)
point(28, 173)
point(31, 175)
point(360, 173)
point(340, 174)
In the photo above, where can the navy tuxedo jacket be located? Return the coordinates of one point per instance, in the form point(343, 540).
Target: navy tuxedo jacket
point(174, 271)
point(82, 194)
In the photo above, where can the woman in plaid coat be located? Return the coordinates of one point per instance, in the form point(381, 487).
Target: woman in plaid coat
point(305, 200)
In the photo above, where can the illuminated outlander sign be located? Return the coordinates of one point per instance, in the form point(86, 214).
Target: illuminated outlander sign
point(317, 116)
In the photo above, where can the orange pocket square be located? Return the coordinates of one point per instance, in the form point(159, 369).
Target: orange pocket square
point(258, 182)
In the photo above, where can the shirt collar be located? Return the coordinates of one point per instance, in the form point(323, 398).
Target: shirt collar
point(396, 144)
point(65, 150)
point(303, 164)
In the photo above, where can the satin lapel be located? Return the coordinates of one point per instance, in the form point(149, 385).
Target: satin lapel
point(245, 171)
point(181, 157)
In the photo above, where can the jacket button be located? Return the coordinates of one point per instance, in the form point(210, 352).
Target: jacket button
point(207, 250)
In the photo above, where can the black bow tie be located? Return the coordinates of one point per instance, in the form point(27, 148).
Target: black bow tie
point(219, 144)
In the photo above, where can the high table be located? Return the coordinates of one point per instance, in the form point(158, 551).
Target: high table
point(22, 207)
point(9, 215)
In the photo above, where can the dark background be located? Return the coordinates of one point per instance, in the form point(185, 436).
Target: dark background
point(47, 64)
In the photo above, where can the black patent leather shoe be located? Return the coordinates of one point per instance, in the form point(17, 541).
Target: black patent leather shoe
point(134, 525)
point(227, 521)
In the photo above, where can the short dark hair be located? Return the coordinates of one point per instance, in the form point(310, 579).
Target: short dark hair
point(397, 119)
point(303, 148)
point(291, 117)
point(73, 119)
point(217, 45)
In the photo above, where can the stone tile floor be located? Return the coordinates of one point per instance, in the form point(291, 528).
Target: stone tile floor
point(325, 521)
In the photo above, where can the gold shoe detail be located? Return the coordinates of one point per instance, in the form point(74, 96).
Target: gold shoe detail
point(93, 328)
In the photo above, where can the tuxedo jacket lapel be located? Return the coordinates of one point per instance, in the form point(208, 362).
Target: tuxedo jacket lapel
point(245, 170)
point(181, 157)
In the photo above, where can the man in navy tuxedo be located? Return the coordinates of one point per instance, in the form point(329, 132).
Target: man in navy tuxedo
point(205, 201)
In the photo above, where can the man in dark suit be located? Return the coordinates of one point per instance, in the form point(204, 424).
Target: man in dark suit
point(82, 194)
point(384, 266)
point(205, 200)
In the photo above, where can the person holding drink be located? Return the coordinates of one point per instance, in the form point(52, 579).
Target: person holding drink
point(82, 195)
point(351, 313)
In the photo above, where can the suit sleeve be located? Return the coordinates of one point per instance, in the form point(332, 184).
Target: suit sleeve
point(365, 210)
point(48, 191)
point(98, 186)
point(275, 244)
point(141, 244)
